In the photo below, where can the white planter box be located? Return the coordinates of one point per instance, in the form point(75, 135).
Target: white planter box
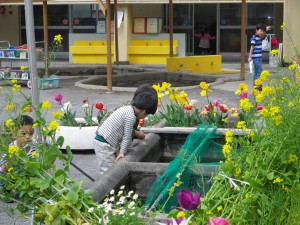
point(78, 138)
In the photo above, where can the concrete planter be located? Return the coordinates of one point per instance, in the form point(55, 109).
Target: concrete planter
point(78, 138)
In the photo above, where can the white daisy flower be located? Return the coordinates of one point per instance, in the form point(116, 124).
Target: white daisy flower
point(112, 192)
point(122, 212)
point(111, 199)
point(90, 210)
point(135, 196)
point(122, 187)
point(119, 193)
point(130, 193)
point(131, 204)
point(131, 214)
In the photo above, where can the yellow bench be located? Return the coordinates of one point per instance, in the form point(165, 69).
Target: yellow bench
point(91, 52)
point(195, 64)
point(150, 51)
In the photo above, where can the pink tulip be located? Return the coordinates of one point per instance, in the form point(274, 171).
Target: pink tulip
point(215, 102)
point(259, 107)
point(58, 97)
point(29, 108)
point(243, 95)
point(218, 221)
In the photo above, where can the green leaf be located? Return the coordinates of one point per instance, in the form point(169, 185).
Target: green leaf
point(51, 154)
point(51, 210)
point(72, 197)
point(76, 186)
point(40, 183)
point(270, 175)
point(33, 167)
point(60, 140)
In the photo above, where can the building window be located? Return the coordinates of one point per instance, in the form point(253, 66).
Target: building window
point(261, 13)
point(230, 40)
point(230, 14)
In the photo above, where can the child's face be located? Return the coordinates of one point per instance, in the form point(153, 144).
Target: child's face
point(260, 32)
point(25, 134)
point(142, 115)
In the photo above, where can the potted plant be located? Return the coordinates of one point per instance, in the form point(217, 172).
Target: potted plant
point(48, 81)
point(78, 133)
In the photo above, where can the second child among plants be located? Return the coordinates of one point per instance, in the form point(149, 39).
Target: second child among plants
point(114, 136)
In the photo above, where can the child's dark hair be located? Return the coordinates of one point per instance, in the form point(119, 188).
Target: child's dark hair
point(26, 120)
point(144, 88)
point(146, 101)
point(261, 26)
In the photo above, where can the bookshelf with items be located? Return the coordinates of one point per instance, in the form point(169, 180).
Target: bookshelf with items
point(13, 53)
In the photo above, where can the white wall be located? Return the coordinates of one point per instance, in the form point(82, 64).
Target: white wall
point(9, 25)
point(291, 18)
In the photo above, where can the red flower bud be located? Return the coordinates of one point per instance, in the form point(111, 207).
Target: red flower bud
point(141, 122)
point(99, 106)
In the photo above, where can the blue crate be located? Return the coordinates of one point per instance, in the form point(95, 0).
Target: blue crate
point(48, 83)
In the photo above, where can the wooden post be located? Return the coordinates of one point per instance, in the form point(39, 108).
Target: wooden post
point(116, 32)
point(243, 39)
point(108, 39)
point(46, 37)
point(171, 26)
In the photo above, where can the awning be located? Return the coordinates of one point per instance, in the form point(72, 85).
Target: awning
point(71, 2)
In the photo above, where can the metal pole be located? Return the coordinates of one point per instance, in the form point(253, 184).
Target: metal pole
point(108, 38)
point(45, 23)
point(116, 31)
point(32, 57)
point(171, 26)
point(243, 39)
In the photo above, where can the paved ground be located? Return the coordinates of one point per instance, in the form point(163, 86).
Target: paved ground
point(86, 160)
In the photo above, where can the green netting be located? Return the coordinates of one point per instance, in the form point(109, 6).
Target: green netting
point(197, 158)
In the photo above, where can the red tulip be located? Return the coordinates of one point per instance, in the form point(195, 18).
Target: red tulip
point(188, 107)
point(141, 122)
point(85, 101)
point(99, 106)
point(223, 108)
point(218, 221)
point(58, 97)
point(207, 108)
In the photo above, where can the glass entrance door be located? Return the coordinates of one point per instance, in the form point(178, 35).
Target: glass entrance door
point(205, 22)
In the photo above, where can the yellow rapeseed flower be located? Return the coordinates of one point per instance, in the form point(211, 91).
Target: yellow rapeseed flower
point(291, 104)
point(292, 158)
point(266, 90)
point(57, 39)
point(241, 125)
point(251, 134)
point(35, 155)
point(246, 104)
point(293, 66)
point(237, 171)
point(9, 106)
point(274, 110)
point(258, 82)
point(285, 188)
point(265, 74)
point(277, 180)
point(181, 214)
point(226, 149)
point(16, 88)
point(248, 195)
point(9, 123)
point(14, 82)
point(274, 52)
point(46, 105)
point(58, 115)
point(259, 98)
point(13, 150)
point(284, 80)
point(9, 169)
point(23, 68)
point(219, 208)
point(282, 26)
point(53, 125)
point(36, 124)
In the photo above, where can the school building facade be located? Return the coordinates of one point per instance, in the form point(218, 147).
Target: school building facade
point(78, 20)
